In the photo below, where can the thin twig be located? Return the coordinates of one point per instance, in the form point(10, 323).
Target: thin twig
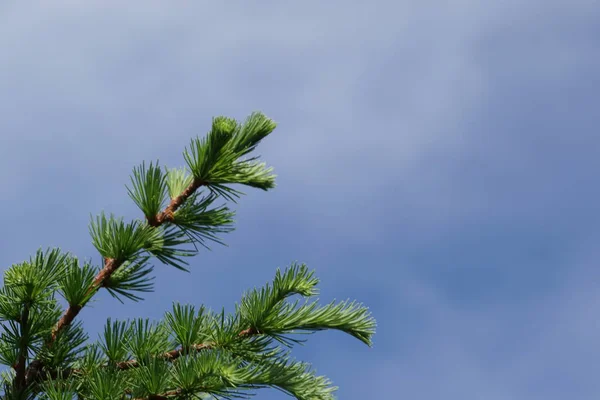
point(168, 213)
point(170, 355)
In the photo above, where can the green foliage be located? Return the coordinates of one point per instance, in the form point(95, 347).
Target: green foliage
point(74, 284)
point(186, 325)
point(165, 244)
point(201, 224)
point(113, 238)
point(146, 339)
point(178, 179)
point(103, 384)
point(149, 189)
point(129, 278)
point(265, 311)
point(67, 347)
point(193, 352)
point(216, 161)
point(32, 281)
point(111, 345)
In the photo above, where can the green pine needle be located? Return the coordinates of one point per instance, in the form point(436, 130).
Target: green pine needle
point(129, 278)
point(118, 240)
point(74, 285)
point(202, 224)
point(149, 187)
point(165, 243)
point(215, 159)
point(178, 179)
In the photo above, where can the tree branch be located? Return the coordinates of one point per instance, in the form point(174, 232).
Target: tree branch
point(130, 364)
point(110, 266)
point(174, 354)
point(164, 396)
point(20, 367)
point(168, 214)
point(170, 355)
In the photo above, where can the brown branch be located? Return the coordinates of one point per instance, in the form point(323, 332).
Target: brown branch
point(52, 374)
point(110, 266)
point(174, 354)
point(33, 371)
point(248, 332)
point(130, 364)
point(20, 366)
point(168, 214)
point(170, 355)
point(163, 396)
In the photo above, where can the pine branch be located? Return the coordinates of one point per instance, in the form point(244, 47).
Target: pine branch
point(20, 368)
point(164, 396)
point(214, 354)
point(169, 356)
point(110, 266)
point(131, 364)
point(223, 376)
point(168, 214)
point(263, 312)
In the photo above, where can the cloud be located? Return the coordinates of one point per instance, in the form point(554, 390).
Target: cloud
point(435, 161)
point(543, 348)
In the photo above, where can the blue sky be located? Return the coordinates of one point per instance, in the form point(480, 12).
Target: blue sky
point(436, 160)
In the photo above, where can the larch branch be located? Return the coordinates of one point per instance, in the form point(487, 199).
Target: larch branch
point(110, 266)
point(169, 355)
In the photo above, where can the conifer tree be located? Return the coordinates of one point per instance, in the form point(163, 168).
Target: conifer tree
point(194, 352)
